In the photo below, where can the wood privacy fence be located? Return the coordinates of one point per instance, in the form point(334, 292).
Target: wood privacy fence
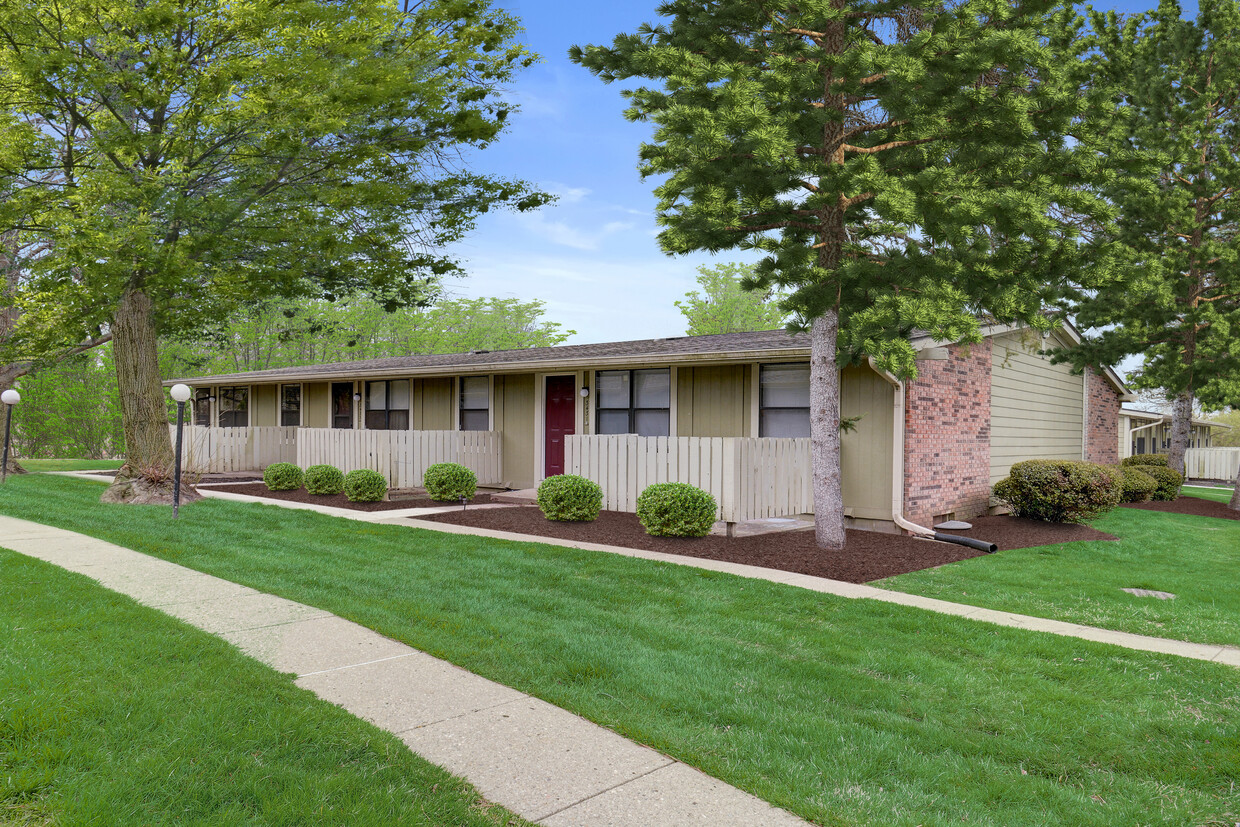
point(401, 456)
point(749, 478)
point(218, 450)
point(1212, 463)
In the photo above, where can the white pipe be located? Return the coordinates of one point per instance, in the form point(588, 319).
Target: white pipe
point(897, 456)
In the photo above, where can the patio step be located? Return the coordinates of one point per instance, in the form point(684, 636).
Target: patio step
point(522, 496)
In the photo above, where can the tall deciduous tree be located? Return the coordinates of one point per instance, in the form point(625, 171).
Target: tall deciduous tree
point(209, 155)
point(1179, 304)
point(902, 165)
point(725, 306)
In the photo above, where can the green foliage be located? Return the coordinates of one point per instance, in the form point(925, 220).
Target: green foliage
point(1060, 491)
point(283, 476)
point(71, 409)
point(676, 509)
point(726, 306)
point(305, 332)
point(1145, 459)
point(448, 482)
point(570, 498)
point(1227, 437)
point(324, 480)
point(365, 486)
point(1136, 485)
point(1176, 90)
point(1168, 480)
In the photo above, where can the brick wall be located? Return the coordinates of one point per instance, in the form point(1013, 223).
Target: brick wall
point(947, 436)
point(1102, 420)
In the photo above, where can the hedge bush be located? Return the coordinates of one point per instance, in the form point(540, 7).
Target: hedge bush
point(365, 486)
point(1168, 480)
point(1144, 459)
point(676, 509)
point(324, 479)
point(569, 498)
point(282, 476)
point(1060, 491)
point(448, 482)
point(1136, 486)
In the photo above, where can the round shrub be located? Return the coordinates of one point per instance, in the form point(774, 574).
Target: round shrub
point(1168, 480)
point(324, 479)
point(1144, 459)
point(1060, 491)
point(448, 482)
point(676, 509)
point(365, 486)
point(1136, 486)
point(282, 476)
point(569, 498)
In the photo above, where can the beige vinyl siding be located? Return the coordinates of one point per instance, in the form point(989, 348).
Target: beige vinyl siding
point(513, 409)
point(432, 404)
point(266, 406)
point(865, 454)
point(713, 400)
point(317, 405)
point(1035, 407)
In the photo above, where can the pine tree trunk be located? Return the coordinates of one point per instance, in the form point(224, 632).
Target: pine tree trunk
point(1181, 428)
point(146, 476)
point(1234, 504)
point(824, 428)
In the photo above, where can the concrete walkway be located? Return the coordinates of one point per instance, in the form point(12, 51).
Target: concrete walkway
point(542, 762)
point(1229, 655)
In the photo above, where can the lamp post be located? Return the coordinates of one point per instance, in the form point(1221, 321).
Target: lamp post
point(9, 398)
point(181, 394)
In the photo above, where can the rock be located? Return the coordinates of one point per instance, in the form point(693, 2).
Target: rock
point(954, 525)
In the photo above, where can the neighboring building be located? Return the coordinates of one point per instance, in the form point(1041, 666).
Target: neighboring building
point(1143, 432)
point(930, 447)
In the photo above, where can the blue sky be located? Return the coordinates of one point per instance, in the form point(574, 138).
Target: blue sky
point(593, 256)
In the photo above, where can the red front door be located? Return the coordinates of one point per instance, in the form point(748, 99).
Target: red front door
point(561, 420)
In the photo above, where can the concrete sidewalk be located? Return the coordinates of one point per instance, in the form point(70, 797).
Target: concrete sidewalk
point(546, 764)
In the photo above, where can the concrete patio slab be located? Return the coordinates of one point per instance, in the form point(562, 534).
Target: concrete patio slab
point(247, 611)
point(536, 758)
point(408, 691)
point(673, 796)
point(315, 644)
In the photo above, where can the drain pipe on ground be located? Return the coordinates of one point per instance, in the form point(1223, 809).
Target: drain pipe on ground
point(897, 474)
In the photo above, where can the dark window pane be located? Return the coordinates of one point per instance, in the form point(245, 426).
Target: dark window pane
point(376, 420)
point(612, 387)
point(652, 423)
point(398, 420)
point(792, 422)
point(290, 419)
point(652, 388)
point(613, 422)
point(784, 386)
point(475, 420)
point(202, 407)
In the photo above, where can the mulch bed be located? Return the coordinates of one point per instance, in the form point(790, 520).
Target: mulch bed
point(1195, 506)
point(301, 495)
point(867, 556)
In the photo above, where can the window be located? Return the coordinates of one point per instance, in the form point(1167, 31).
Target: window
point(202, 407)
point(634, 402)
point(290, 405)
point(475, 403)
point(234, 404)
point(387, 405)
point(783, 400)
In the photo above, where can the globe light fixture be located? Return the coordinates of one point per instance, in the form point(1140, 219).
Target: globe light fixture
point(180, 394)
point(10, 398)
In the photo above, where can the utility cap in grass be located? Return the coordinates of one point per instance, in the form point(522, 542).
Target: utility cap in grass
point(676, 509)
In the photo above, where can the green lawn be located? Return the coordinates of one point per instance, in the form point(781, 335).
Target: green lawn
point(71, 464)
point(845, 712)
point(1194, 558)
point(113, 713)
point(1216, 493)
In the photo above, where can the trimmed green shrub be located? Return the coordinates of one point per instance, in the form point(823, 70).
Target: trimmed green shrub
point(569, 498)
point(1168, 480)
point(282, 476)
point(324, 480)
point(1144, 459)
point(1060, 491)
point(365, 486)
point(1136, 486)
point(448, 482)
point(676, 509)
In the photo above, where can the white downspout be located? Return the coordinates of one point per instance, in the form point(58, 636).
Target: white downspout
point(897, 456)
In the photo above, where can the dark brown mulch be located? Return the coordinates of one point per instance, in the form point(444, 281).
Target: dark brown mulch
point(301, 495)
point(1194, 506)
point(868, 555)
